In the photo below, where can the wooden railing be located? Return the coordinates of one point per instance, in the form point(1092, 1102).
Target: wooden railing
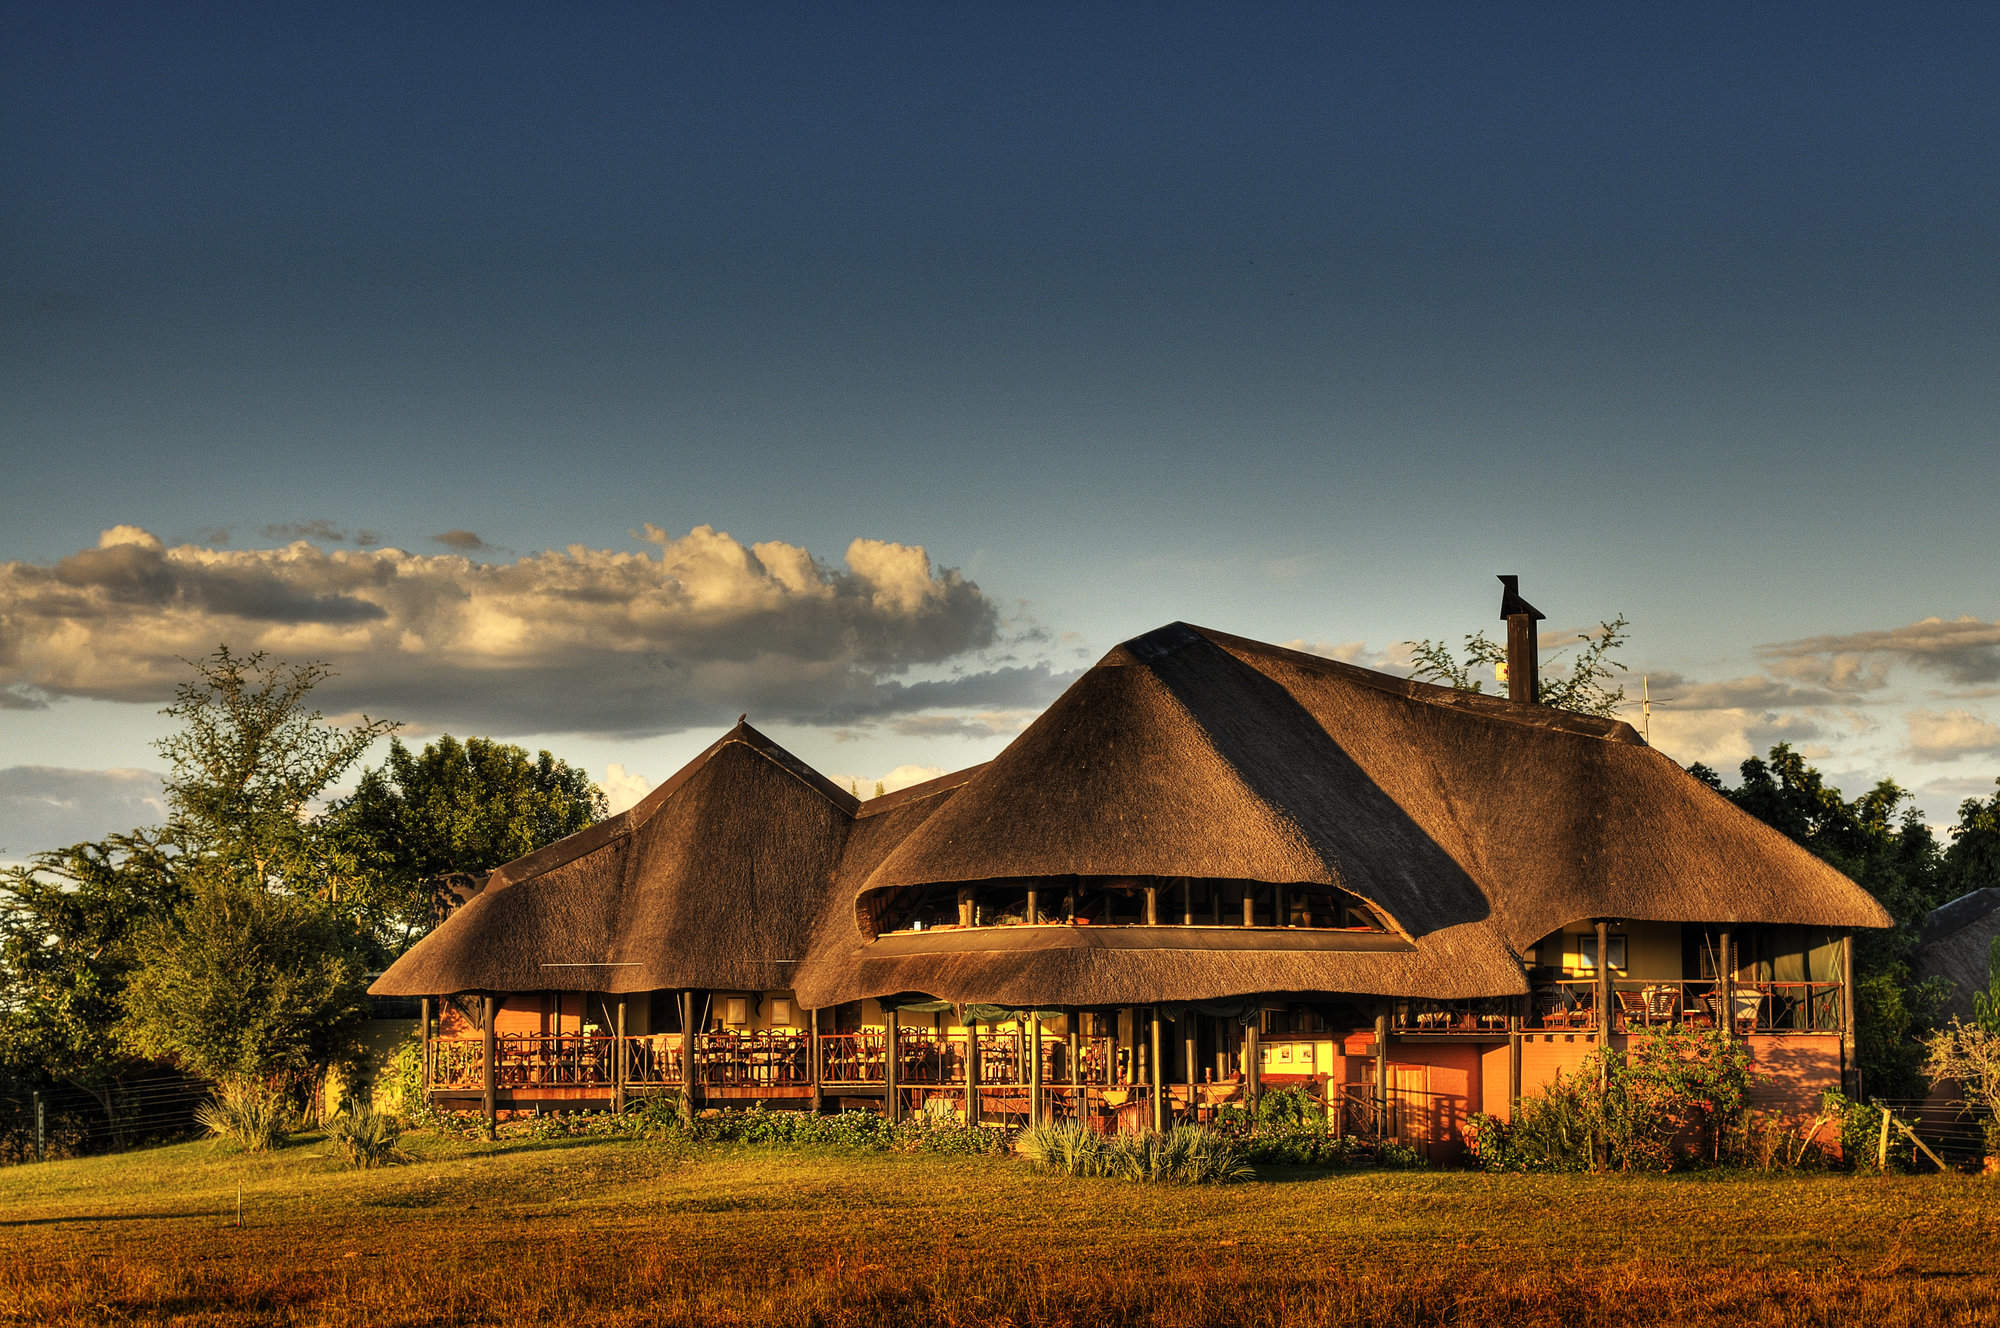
point(1639, 1004)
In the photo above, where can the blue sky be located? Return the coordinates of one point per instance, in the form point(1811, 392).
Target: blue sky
point(1299, 324)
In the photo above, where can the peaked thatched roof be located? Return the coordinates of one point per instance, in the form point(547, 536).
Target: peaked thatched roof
point(713, 880)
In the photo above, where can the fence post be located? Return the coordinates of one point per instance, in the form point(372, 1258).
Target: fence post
point(1882, 1148)
point(41, 1129)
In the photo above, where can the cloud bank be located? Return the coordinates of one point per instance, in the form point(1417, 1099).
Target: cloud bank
point(44, 807)
point(682, 632)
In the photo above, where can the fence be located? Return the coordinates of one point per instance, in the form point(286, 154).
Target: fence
point(155, 1105)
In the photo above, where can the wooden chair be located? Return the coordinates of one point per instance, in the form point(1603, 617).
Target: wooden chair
point(1632, 1008)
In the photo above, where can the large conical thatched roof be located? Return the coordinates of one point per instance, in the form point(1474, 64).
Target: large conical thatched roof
point(1475, 825)
point(713, 880)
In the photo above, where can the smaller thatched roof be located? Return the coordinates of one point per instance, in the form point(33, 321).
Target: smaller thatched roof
point(1957, 945)
point(713, 880)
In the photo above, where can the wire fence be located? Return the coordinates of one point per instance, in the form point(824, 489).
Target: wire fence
point(1959, 1137)
point(64, 1120)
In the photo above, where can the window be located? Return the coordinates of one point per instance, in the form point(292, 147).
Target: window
point(781, 1011)
point(736, 1010)
point(1586, 951)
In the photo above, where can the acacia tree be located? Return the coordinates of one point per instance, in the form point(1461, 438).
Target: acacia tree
point(1583, 690)
point(451, 808)
point(257, 978)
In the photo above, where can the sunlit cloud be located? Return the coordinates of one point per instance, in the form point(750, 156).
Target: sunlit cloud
point(46, 807)
point(1950, 734)
point(683, 631)
point(1963, 650)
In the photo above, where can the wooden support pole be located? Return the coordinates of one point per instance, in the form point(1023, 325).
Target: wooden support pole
point(618, 1062)
point(971, 1070)
point(1514, 1063)
point(1382, 1072)
point(1850, 1072)
point(1249, 905)
point(965, 908)
point(1187, 901)
point(1152, 906)
point(1156, 1079)
point(1073, 1057)
point(1253, 1069)
point(815, 1068)
point(489, 1069)
point(424, 1033)
point(1726, 982)
point(1281, 906)
point(1191, 1050)
point(1604, 1001)
point(892, 1087)
point(1035, 1116)
point(687, 1046)
point(1034, 913)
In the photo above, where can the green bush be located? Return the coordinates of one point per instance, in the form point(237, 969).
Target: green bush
point(365, 1137)
point(1186, 1154)
point(252, 1116)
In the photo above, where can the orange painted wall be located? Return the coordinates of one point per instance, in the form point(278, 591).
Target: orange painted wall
point(1496, 1094)
point(1798, 1068)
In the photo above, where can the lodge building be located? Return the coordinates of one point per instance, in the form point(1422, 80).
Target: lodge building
point(1212, 867)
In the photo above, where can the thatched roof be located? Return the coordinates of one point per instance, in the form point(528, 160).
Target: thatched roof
point(1473, 825)
point(713, 880)
point(1957, 945)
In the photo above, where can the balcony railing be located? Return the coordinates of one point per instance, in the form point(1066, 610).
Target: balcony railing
point(764, 1059)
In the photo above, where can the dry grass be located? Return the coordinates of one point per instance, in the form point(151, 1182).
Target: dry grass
point(616, 1233)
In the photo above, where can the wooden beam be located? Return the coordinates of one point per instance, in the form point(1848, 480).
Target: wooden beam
point(1726, 981)
point(424, 1032)
point(1604, 1001)
point(1034, 1069)
point(687, 1046)
point(1192, 1049)
point(1514, 1061)
point(1073, 1057)
point(892, 1055)
point(489, 1070)
point(1187, 901)
point(1152, 906)
point(1850, 1070)
point(1382, 1072)
point(814, 1068)
point(1034, 913)
point(1156, 1079)
point(971, 1070)
point(1249, 904)
point(965, 907)
point(1253, 1070)
point(618, 1062)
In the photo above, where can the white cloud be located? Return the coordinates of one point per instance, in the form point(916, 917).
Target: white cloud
point(622, 787)
point(1947, 735)
point(1965, 650)
point(578, 640)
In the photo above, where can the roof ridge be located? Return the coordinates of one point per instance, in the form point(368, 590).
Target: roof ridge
point(1603, 728)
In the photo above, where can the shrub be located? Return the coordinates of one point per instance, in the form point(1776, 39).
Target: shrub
point(252, 1116)
point(365, 1137)
point(1186, 1154)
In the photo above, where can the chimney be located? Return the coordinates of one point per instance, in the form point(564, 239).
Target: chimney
point(1524, 672)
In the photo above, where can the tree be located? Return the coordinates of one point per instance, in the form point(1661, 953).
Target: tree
point(248, 986)
point(1583, 691)
point(258, 977)
point(69, 925)
point(1972, 862)
point(451, 808)
point(250, 761)
point(1967, 1056)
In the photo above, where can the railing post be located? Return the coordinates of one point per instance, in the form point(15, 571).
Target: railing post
point(488, 1069)
point(618, 1062)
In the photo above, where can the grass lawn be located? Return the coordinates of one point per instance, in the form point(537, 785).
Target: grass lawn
point(617, 1232)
